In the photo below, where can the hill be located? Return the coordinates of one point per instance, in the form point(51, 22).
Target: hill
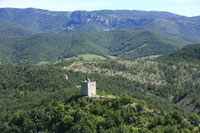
point(189, 53)
point(50, 48)
point(151, 95)
point(36, 20)
point(178, 83)
point(12, 29)
point(42, 99)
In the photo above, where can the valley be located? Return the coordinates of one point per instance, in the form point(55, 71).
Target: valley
point(149, 61)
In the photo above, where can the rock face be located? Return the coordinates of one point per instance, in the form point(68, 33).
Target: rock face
point(82, 18)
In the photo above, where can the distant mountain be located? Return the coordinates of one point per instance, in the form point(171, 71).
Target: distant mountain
point(197, 17)
point(8, 28)
point(40, 21)
point(36, 20)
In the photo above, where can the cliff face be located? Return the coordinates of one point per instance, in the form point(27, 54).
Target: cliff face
point(111, 19)
point(79, 17)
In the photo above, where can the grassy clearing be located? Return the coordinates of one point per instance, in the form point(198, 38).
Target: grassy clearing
point(113, 57)
point(42, 63)
point(91, 57)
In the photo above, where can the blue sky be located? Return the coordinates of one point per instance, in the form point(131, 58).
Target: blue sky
point(182, 7)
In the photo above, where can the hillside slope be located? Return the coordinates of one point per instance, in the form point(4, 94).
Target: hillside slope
point(177, 82)
point(190, 53)
point(47, 99)
point(53, 47)
point(36, 20)
point(12, 29)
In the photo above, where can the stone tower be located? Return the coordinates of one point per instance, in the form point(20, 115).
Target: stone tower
point(88, 88)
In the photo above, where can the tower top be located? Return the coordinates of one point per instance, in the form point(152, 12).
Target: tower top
point(87, 79)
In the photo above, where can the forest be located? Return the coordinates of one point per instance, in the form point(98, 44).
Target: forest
point(42, 99)
point(125, 44)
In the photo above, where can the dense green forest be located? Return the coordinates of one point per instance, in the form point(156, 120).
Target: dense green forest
point(42, 99)
point(125, 44)
point(8, 28)
point(188, 53)
point(149, 96)
point(177, 83)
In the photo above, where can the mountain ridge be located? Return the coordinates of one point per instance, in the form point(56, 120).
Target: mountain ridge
point(159, 33)
point(40, 21)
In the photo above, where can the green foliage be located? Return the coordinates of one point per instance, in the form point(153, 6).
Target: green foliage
point(148, 80)
point(36, 20)
point(40, 99)
point(124, 34)
point(50, 48)
point(12, 29)
point(99, 115)
point(190, 53)
point(44, 99)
